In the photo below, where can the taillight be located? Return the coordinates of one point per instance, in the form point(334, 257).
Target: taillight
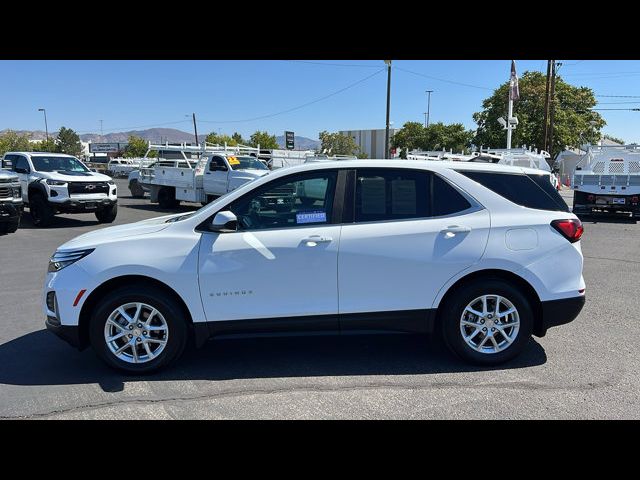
point(634, 199)
point(591, 198)
point(571, 229)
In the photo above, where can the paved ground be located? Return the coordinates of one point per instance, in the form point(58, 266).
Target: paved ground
point(587, 369)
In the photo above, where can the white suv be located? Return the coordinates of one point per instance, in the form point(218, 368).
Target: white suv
point(486, 254)
point(58, 183)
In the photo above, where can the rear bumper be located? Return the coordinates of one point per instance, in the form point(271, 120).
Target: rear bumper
point(558, 312)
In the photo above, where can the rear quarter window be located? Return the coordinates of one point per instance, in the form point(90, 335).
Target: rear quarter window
point(531, 191)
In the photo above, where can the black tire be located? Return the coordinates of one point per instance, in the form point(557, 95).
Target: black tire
point(451, 313)
point(167, 198)
point(12, 227)
point(108, 214)
point(156, 298)
point(41, 212)
point(136, 190)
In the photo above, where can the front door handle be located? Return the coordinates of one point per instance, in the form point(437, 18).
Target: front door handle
point(313, 240)
point(452, 230)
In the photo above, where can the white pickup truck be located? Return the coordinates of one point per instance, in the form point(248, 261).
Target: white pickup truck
point(201, 181)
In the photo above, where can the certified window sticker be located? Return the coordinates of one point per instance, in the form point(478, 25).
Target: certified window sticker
point(317, 216)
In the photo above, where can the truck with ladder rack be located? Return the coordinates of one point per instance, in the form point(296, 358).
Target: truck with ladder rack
point(607, 179)
point(206, 172)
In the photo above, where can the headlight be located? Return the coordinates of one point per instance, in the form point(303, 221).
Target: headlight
point(59, 260)
point(111, 182)
point(17, 191)
point(57, 183)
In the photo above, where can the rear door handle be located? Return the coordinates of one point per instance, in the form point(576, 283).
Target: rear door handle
point(313, 240)
point(451, 230)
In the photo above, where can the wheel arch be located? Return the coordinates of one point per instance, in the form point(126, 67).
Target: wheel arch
point(198, 330)
point(523, 285)
point(36, 188)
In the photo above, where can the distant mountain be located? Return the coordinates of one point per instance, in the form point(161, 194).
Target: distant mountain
point(300, 143)
point(159, 135)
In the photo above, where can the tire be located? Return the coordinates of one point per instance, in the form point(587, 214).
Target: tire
point(454, 309)
point(167, 198)
point(12, 227)
point(169, 314)
point(41, 212)
point(108, 214)
point(136, 189)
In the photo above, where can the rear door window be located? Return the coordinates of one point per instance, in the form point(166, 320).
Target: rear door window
point(520, 189)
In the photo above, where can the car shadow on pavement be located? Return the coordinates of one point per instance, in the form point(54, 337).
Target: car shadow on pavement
point(39, 358)
point(86, 220)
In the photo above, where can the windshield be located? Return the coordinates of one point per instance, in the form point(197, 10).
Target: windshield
point(243, 163)
point(57, 164)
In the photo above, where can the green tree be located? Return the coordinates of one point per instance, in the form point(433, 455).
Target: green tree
point(613, 139)
point(437, 136)
point(221, 139)
point(238, 138)
point(68, 142)
point(11, 141)
point(338, 144)
point(574, 121)
point(264, 140)
point(45, 145)
point(409, 137)
point(137, 147)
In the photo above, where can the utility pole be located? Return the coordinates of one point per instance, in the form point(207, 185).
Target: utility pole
point(46, 128)
point(386, 135)
point(429, 92)
point(546, 106)
point(195, 129)
point(552, 92)
point(425, 119)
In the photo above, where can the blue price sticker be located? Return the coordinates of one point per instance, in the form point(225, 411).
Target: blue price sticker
point(311, 217)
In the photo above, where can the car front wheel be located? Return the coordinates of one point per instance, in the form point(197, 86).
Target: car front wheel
point(488, 322)
point(138, 330)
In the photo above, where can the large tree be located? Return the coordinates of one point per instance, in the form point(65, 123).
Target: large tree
point(338, 144)
point(11, 141)
point(574, 121)
point(437, 136)
point(137, 147)
point(264, 140)
point(68, 142)
point(221, 139)
point(45, 145)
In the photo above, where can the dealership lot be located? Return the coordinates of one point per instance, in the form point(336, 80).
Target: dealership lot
point(586, 369)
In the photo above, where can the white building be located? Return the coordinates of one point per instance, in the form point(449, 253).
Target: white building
point(371, 142)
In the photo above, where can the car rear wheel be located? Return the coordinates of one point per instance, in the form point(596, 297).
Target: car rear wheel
point(138, 330)
point(167, 198)
point(136, 189)
point(487, 322)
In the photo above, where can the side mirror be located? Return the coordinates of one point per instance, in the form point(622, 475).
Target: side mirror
point(224, 222)
point(21, 170)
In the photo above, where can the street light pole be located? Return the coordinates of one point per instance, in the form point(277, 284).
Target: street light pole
point(386, 135)
point(429, 92)
point(195, 129)
point(46, 128)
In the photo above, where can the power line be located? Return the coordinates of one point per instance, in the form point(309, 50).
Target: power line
point(627, 109)
point(442, 79)
point(619, 96)
point(299, 106)
point(616, 103)
point(335, 64)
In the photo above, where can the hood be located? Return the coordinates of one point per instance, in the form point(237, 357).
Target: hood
point(251, 173)
point(69, 176)
point(109, 234)
point(7, 176)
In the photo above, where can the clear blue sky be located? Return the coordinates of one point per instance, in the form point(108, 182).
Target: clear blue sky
point(128, 95)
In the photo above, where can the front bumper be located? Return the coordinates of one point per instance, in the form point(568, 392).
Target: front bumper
point(558, 312)
point(79, 206)
point(10, 212)
point(68, 333)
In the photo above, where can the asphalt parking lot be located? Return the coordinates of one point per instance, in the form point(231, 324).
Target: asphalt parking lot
point(589, 368)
